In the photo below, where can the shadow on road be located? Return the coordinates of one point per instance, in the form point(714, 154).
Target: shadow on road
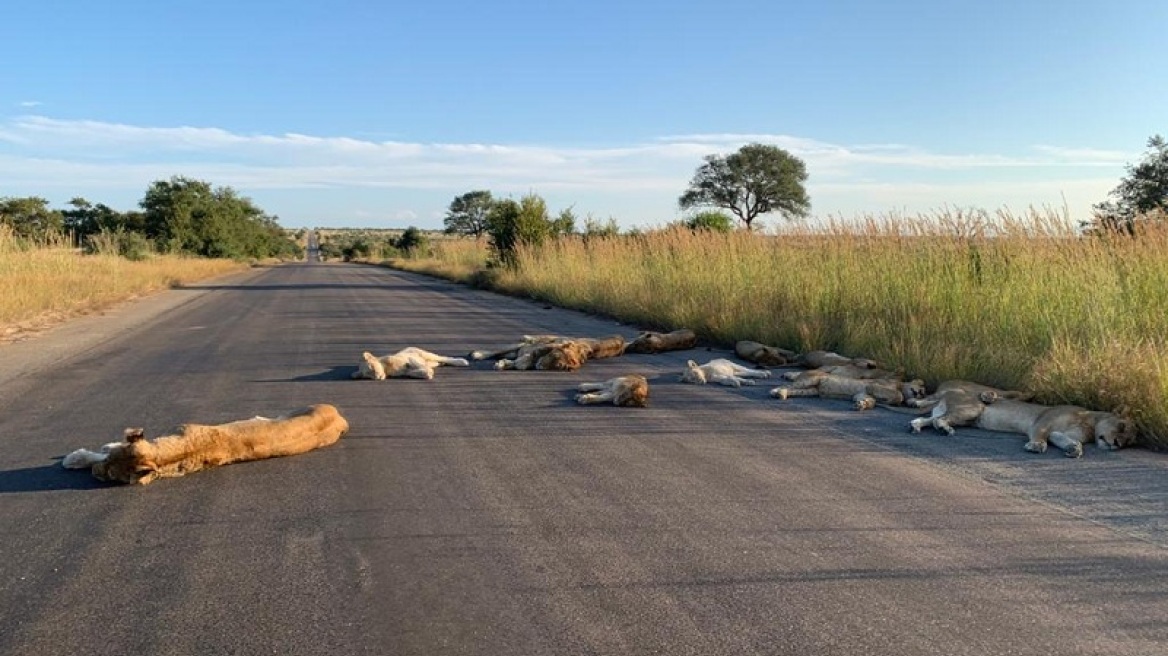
point(46, 479)
point(332, 373)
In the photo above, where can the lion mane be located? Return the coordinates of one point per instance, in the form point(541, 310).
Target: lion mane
point(137, 460)
point(553, 352)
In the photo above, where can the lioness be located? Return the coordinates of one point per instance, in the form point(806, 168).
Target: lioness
point(410, 362)
point(820, 359)
point(984, 392)
point(623, 391)
point(864, 393)
point(1069, 427)
point(721, 371)
point(139, 461)
point(761, 354)
point(651, 342)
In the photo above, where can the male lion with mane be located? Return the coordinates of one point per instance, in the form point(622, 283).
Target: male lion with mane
point(139, 461)
point(553, 352)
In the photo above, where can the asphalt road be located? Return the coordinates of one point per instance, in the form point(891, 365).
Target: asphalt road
point(483, 512)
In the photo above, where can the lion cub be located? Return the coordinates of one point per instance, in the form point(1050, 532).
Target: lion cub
point(623, 391)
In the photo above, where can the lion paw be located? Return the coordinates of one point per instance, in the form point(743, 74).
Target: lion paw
point(1074, 451)
point(779, 393)
point(1035, 447)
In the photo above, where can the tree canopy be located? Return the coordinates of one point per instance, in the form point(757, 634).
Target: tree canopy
point(468, 214)
point(30, 217)
point(1143, 191)
point(189, 216)
point(758, 179)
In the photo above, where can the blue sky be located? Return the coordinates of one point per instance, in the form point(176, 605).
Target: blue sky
point(362, 113)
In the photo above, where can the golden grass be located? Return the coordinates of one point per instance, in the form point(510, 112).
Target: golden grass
point(48, 282)
point(462, 260)
point(1014, 301)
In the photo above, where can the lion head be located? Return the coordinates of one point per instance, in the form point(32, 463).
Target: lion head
point(1114, 432)
point(568, 356)
point(127, 462)
point(370, 367)
point(693, 374)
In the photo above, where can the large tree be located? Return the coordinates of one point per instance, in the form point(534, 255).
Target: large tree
point(468, 214)
point(190, 216)
point(1144, 190)
point(758, 179)
point(30, 217)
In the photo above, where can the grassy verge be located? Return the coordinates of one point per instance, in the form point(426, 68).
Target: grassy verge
point(1020, 302)
point(50, 282)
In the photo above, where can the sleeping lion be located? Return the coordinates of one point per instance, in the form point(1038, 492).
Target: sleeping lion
point(623, 391)
point(553, 352)
point(721, 371)
point(653, 342)
point(864, 393)
point(410, 362)
point(139, 461)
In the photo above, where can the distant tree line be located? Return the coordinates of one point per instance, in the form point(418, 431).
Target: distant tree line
point(179, 215)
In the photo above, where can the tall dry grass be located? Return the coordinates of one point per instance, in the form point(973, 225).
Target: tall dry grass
point(47, 281)
point(1008, 300)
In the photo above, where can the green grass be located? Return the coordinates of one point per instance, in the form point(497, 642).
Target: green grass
point(1019, 302)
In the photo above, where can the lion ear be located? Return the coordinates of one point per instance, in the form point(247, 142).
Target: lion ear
point(135, 434)
point(691, 364)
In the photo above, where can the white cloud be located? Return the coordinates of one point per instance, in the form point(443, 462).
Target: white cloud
point(38, 152)
point(30, 103)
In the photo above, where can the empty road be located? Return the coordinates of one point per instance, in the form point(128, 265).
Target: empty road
point(485, 513)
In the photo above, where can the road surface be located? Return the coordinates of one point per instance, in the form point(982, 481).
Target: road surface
point(485, 513)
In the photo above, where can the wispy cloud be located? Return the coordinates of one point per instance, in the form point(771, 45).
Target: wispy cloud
point(30, 103)
point(40, 152)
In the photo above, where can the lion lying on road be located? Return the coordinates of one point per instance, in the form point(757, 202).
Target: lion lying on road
point(140, 461)
point(761, 354)
point(410, 362)
point(1069, 427)
point(864, 393)
point(721, 371)
point(651, 342)
point(821, 359)
point(958, 403)
point(623, 391)
point(553, 352)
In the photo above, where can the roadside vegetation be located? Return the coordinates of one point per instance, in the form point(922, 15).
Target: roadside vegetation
point(47, 281)
point(56, 263)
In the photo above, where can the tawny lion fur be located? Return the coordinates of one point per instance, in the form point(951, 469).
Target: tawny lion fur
point(958, 403)
point(1068, 427)
point(652, 342)
point(137, 460)
point(820, 359)
point(761, 354)
point(864, 393)
point(721, 371)
point(553, 352)
point(622, 391)
point(410, 362)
